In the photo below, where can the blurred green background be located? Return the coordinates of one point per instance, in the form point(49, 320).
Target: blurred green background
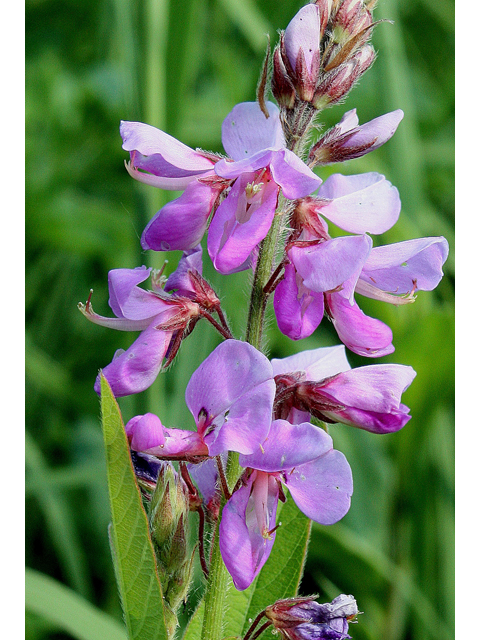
point(182, 66)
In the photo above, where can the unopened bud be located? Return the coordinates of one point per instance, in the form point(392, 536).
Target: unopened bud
point(325, 8)
point(168, 509)
point(347, 140)
point(282, 87)
point(334, 86)
point(168, 516)
point(302, 48)
point(338, 82)
point(352, 18)
point(365, 57)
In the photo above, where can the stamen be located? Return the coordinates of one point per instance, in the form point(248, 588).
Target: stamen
point(87, 306)
point(272, 530)
point(158, 279)
point(370, 291)
point(253, 188)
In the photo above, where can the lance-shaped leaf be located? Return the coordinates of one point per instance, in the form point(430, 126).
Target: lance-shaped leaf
point(134, 557)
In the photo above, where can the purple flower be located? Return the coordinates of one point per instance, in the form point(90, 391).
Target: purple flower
point(261, 166)
point(322, 274)
point(147, 434)
point(160, 160)
point(321, 278)
point(402, 268)
point(347, 140)
point(136, 309)
point(320, 383)
point(305, 619)
point(258, 167)
point(230, 396)
point(319, 479)
point(391, 273)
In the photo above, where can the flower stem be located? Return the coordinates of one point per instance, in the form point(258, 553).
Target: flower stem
point(263, 272)
point(218, 577)
point(215, 593)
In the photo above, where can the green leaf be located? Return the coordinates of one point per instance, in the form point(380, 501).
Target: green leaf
point(279, 578)
point(67, 610)
point(134, 557)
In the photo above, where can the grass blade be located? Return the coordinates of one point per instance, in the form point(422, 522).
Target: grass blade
point(67, 610)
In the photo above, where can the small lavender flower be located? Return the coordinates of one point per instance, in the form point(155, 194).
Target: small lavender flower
point(230, 396)
point(318, 478)
point(136, 309)
point(135, 369)
point(323, 274)
point(320, 383)
point(258, 167)
point(261, 167)
point(305, 619)
point(347, 140)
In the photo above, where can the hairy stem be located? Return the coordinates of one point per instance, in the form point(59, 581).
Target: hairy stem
point(263, 272)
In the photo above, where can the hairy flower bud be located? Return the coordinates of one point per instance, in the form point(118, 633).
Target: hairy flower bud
point(348, 140)
point(282, 87)
point(168, 517)
point(168, 524)
point(352, 18)
point(337, 83)
point(302, 47)
point(322, 53)
point(334, 86)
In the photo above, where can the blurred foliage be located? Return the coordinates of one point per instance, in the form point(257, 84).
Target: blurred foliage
point(182, 66)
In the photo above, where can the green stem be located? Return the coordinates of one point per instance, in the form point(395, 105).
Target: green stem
point(259, 298)
point(218, 578)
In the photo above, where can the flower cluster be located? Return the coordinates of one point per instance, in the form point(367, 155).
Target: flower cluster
point(242, 402)
point(235, 397)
